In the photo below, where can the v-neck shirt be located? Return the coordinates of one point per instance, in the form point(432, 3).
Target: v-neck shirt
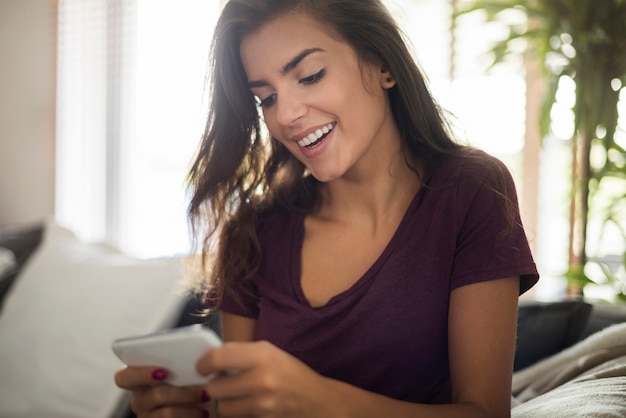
point(387, 333)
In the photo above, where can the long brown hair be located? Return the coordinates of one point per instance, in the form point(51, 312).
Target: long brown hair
point(237, 172)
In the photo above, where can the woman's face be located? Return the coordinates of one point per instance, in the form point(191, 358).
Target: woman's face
point(331, 111)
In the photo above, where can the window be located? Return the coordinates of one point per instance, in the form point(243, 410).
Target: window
point(131, 78)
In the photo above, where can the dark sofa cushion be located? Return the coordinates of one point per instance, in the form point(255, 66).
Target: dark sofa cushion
point(604, 315)
point(195, 312)
point(22, 240)
point(545, 329)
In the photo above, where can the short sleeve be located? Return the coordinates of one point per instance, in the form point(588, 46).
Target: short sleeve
point(275, 244)
point(491, 242)
point(240, 302)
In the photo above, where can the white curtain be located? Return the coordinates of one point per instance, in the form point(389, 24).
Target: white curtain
point(130, 112)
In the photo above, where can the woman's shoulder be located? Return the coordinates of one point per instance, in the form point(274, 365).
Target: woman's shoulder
point(471, 165)
point(469, 160)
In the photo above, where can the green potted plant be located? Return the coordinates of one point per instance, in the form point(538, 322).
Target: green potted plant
point(584, 40)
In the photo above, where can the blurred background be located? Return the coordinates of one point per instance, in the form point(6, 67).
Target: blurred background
point(102, 106)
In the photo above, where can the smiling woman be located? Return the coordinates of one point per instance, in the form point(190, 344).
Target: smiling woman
point(353, 247)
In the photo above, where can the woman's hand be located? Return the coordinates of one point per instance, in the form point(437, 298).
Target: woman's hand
point(153, 399)
point(265, 382)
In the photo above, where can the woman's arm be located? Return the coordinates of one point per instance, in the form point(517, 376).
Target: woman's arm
point(237, 328)
point(482, 329)
point(270, 382)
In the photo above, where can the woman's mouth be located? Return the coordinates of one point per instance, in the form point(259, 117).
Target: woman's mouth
point(314, 138)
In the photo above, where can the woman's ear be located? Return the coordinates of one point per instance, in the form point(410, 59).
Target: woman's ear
point(387, 80)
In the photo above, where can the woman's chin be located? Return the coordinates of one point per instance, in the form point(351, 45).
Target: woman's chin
point(324, 176)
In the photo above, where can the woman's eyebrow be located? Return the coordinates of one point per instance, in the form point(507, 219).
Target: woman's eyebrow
point(289, 66)
point(296, 60)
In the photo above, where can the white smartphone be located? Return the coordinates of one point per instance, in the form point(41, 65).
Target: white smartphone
point(176, 350)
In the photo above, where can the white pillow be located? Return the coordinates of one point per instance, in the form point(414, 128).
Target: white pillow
point(70, 302)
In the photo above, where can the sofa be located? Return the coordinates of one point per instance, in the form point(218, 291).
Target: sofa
point(62, 302)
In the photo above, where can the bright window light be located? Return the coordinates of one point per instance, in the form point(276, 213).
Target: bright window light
point(173, 40)
point(131, 77)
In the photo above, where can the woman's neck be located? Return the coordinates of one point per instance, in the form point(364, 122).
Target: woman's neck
point(374, 194)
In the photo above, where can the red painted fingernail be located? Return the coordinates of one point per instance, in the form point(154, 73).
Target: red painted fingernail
point(204, 396)
point(159, 374)
point(205, 413)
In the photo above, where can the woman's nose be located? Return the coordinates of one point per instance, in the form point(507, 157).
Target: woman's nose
point(290, 108)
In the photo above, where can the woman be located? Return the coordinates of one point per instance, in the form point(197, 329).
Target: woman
point(368, 265)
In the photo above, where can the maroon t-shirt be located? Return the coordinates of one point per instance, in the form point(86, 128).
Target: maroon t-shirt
point(388, 332)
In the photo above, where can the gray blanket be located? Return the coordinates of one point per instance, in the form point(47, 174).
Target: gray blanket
point(585, 380)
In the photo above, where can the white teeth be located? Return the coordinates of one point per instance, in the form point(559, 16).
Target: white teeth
point(315, 136)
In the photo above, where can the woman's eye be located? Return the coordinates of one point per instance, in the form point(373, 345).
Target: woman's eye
point(312, 79)
point(268, 101)
point(271, 99)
